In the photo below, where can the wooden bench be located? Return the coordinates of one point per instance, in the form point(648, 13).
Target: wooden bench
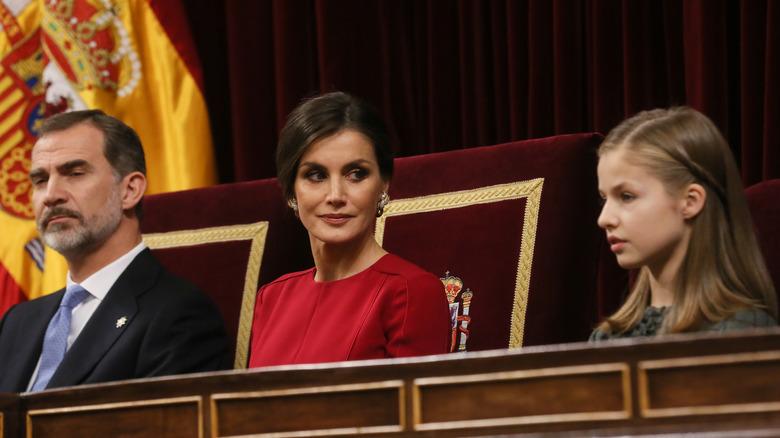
point(725, 386)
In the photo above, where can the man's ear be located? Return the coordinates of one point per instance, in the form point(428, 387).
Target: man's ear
point(694, 198)
point(133, 188)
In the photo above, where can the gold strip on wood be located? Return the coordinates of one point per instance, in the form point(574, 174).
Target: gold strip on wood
point(398, 384)
point(255, 232)
point(643, 390)
point(531, 190)
point(117, 406)
point(623, 414)
point(357, 431)
point(310, 390)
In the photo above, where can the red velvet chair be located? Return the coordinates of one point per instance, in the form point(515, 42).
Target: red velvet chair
point(764, 202)
point(515, 224)
point(227, 239)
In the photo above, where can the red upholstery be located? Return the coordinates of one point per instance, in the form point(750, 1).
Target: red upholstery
point(220, 268)
point(764, 202)
point(481, 243)
point(497, 217)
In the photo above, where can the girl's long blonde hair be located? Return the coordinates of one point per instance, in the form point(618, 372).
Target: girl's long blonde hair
point(723, 270)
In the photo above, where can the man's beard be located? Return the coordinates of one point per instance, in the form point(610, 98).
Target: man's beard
point(76, 240)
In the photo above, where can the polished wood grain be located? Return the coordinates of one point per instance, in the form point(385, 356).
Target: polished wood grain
point(725, 385)
point(177, 417)
point(9, 405)
point(328, 410)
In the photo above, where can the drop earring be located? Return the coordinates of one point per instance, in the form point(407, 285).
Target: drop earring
point(380, 206)
point(293, 203)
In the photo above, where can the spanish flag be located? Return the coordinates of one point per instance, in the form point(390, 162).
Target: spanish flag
point(135, 60)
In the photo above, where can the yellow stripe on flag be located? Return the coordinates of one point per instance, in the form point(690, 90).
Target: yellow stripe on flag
point(150, 89)
point(167, 108)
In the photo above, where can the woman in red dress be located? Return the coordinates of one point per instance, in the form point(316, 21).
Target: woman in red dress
point(334, 162)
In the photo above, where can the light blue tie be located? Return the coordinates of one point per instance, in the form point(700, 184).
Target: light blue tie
point(55, 342)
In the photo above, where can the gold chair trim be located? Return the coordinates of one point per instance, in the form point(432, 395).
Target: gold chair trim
point(531, 190)
point(255, 232)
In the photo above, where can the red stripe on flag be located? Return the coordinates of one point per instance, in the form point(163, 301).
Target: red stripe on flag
point(9, 89)
point(10, 133)
point(15, 106)
point(10, 292)
point(10, 25)
point(173, 18)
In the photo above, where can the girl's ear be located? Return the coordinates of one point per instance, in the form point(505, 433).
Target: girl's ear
point(695, 197)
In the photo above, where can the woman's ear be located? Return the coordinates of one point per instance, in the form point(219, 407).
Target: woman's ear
point(695, 197)
point(134, 186)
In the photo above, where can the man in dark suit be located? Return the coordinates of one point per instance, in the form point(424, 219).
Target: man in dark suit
point(123, 316)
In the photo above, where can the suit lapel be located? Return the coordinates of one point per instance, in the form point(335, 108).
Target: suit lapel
point(33, 327)
point(104, 329)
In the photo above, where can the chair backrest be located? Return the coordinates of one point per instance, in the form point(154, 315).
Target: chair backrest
point(227, 239)
point(515, 223)
point(764, 202)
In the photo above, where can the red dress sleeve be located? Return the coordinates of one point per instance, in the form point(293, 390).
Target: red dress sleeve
point(418, 320)
point(258, 323)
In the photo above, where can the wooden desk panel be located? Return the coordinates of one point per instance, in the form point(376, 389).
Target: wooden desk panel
point(710, 385)
point(9, 404)
point(360, 409)
point(543, 396)
point(725, 385)
point(9, 415)
point(174, 418)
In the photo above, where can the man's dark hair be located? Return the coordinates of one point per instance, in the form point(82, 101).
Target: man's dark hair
point(121, 144)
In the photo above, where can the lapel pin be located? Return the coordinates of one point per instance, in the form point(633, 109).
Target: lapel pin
point(121, 322)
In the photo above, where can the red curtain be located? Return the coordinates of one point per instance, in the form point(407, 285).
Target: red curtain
point(450, 74)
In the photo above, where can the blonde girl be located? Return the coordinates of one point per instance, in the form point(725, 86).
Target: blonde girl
point(675, 209)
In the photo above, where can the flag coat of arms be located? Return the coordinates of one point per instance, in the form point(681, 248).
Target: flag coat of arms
point(133, 59)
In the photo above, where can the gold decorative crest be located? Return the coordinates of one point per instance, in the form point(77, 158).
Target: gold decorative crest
point(459, 311)
point(21, 112)
point(91, 45)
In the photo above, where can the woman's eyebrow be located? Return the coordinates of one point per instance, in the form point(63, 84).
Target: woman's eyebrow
point(355, 163)
point(311, 164)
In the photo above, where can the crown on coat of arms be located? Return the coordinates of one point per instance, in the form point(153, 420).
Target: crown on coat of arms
point(459, 310)
point(452, 286)
point(90, 45)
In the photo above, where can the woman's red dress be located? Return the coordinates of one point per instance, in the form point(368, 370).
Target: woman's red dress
point(392, 309)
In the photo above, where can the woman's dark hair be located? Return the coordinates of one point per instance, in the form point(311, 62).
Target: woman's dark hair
point(321, 117)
